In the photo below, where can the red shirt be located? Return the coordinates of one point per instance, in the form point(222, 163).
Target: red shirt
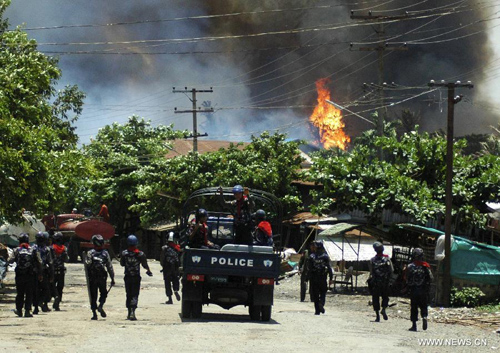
point(104, 213)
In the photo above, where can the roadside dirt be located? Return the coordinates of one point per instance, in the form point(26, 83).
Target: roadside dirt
point(347, 325)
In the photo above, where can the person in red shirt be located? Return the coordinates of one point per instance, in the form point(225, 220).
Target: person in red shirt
point(263, 234)
point(103, 212)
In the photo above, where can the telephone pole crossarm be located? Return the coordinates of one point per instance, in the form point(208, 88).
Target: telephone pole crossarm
point(194, 111)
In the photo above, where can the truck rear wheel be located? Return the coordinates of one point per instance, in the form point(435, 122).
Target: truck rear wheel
point(186, 308)
point(254, 311)
point(196, 309)
point(266, 312)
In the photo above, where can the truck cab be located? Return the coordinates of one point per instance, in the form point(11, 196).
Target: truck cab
point(235, 274)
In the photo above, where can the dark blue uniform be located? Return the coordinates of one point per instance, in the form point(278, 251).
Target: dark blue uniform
point(319, 269)
point(28, 264)
point(381, 270)
point(99, 265)
point(418, 279)
point(132, 261)
point(43, 291)
point(60, 256)
point(170, 263)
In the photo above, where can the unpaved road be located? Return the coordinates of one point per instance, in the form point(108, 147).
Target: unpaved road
point(159, 328)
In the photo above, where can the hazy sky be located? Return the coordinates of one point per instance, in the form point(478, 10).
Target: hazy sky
point(244, 75)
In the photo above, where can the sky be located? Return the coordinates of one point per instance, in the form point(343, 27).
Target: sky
point(265, 81)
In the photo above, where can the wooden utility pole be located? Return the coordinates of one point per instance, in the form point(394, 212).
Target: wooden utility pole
point(452, 100)
point(195, 110)
point(381, 47)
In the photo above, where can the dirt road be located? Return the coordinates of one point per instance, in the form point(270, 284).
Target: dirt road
point(160, 328)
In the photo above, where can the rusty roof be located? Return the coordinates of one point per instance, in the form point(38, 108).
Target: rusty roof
point(182, 147)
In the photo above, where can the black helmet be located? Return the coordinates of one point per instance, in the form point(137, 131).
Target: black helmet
point(319, 244)
point(417, 254)
point(23, 238)
point(57, 236)
point(40, 237)
point(378, 247)
point(46, 235)
point(260, 215)
point(97, 240)
point(201, 213)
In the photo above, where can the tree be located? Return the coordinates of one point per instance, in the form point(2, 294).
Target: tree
point(268, 163)
point(35, 122)
point(126, 159)
point(410, 180)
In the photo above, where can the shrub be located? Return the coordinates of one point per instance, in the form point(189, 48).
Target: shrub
point(468, 296)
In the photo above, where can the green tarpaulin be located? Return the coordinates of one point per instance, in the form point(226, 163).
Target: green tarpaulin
point(475, 262)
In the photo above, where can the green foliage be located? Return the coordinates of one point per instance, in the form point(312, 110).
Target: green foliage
point(493, 307)
point(468, 296)
point(32, 128)
point(127, 159)
point(409, 180)
point(136, 179)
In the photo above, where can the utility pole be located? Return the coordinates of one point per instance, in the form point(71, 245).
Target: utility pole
point(381, 47)
point(452, 100)
point(195, 110)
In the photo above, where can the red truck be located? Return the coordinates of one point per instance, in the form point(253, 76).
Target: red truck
point(78, 230)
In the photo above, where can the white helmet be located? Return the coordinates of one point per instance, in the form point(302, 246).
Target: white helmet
point(171, 236)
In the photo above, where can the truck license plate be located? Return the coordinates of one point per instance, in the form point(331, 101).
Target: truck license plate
point(218, 279)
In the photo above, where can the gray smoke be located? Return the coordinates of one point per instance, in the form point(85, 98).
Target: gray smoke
point(245, 73)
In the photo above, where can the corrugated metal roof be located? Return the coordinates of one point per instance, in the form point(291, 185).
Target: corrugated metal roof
point(338, 228)
point(421, 229)
point(348, 250)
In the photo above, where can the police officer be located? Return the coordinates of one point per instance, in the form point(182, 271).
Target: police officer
point(132, 259)
point(241, 206)
point(98, 264)
point(60, 256)
point(170, 263)
point(319, 265)
point(381, 270)
point(418, 279)
point(263, 233)
point(45, 278)
point(198, 236)
point(28, 263)
point(304, 272)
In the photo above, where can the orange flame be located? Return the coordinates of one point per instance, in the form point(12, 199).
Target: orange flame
point(328, 119)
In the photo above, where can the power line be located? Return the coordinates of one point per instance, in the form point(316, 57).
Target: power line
point(326, 27)
point(200, 17)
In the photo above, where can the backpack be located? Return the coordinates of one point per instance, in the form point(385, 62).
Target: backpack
point(97, 266)
point(24, 261)
point(318, 264)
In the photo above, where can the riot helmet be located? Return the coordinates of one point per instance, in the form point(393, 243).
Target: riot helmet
point(58, 237)
point(23, 238)
point(97, 240)
point(237, 189)
point(260, 215)
point(417, 254)
point(40, 237)
point(201, 213)
point(132, 240)
point(378, 247)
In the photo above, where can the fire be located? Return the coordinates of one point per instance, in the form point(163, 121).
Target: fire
point(328, 119)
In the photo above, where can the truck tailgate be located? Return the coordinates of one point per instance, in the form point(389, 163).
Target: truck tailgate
point(232, 263)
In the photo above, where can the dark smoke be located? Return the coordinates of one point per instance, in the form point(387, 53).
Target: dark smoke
point(142, 84)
